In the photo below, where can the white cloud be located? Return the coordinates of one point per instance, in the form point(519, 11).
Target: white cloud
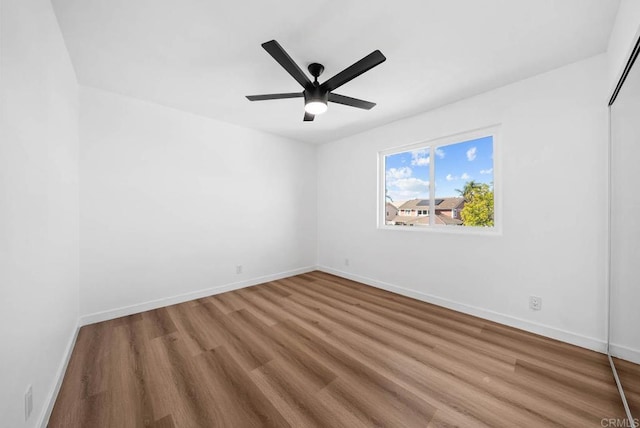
point(405, 195)
point(402, 186)
point(471, 153)
point(420, 157)
point(409, 188)
point(451, 177)
point(486, 171)
point(394, 174)
point(412, 184)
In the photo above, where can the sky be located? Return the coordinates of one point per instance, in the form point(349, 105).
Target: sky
point(407, 173)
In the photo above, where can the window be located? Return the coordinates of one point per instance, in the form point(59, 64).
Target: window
point(453, 178)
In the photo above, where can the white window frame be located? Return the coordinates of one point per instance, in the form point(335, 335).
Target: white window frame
point(493, 131)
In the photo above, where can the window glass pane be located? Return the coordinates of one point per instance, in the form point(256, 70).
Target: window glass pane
point(464, 183)
point(407, 187)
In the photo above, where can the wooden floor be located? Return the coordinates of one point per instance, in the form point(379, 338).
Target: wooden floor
point(629, 376)
point(318, 350)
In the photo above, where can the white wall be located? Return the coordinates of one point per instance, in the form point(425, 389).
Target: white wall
point(171, 202)
point(554, 142)
point(625, 133)
point(625, 222)
point(38, 207)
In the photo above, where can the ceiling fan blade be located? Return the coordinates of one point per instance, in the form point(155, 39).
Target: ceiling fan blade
point(308, 117)
point(283, 58)
point(355, 70)
point(352, 102)
point(275, 96)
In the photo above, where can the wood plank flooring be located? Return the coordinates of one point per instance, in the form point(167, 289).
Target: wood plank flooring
point(629, 375)
point(316, 350)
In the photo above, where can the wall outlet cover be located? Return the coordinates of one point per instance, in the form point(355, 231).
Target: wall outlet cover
point(535, 303)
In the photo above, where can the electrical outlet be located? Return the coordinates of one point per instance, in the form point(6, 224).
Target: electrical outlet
point(239, 269)
point(346, 262)
point(535, 303)
point(28, 402)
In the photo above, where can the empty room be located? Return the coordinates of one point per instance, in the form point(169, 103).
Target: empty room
point(321, 214)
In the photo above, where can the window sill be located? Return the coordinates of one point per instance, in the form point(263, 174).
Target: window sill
point(453, 230)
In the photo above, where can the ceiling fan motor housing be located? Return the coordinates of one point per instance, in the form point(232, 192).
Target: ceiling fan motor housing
point(316, 94)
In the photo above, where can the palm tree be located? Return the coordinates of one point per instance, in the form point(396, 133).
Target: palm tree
point(470, 187)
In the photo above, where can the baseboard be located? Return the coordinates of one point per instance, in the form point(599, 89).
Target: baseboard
point(543, 330)
point(51, 399)
point(625, 353)
point(181, 298)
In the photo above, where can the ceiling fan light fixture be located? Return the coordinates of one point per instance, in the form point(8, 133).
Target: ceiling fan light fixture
point(315, 100)
point(315, 107)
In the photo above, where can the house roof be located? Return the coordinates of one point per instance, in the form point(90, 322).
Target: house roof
point(449, 203)
point(441, 204)
point(411, 220)
point(397, 204)
point(447, 220)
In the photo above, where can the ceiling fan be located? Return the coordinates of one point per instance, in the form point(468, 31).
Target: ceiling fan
point(316, 95)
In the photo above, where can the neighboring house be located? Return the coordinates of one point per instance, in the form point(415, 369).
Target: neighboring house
point(397, 204)
point(391, 211)
point(416, 212)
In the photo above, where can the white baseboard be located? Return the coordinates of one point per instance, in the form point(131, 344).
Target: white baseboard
point(625, 353)
point(181, 298)
point(543, 330)
point(53, 394)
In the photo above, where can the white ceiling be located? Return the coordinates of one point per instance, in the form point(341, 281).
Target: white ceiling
point(205, 56)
